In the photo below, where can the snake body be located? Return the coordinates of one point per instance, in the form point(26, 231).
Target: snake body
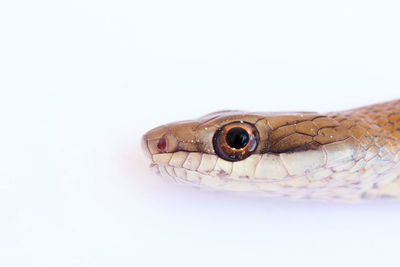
point(348, 155)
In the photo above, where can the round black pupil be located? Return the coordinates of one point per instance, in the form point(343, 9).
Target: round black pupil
point(237, 138)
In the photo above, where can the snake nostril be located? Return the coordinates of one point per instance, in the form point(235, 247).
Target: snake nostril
point(162, 144)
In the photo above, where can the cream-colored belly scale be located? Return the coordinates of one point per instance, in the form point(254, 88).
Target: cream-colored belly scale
point(346, 155)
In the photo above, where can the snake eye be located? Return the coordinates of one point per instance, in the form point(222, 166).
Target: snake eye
point(235, 141)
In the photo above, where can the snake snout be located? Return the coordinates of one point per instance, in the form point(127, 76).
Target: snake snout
point(145, 147)
point(158, 141)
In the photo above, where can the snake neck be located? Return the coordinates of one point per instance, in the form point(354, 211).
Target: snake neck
point(385, 116)
point(382, 123)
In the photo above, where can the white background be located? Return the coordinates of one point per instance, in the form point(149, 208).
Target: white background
point(81, 81)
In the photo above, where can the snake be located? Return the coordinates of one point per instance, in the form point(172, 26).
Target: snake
point(346, 155)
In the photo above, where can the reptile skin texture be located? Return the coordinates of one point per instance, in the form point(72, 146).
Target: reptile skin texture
point(338, 156)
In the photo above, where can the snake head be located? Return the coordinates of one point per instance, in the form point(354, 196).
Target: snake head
point(296, 155)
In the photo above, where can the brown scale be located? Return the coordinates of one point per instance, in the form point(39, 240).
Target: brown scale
point(379, 123)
